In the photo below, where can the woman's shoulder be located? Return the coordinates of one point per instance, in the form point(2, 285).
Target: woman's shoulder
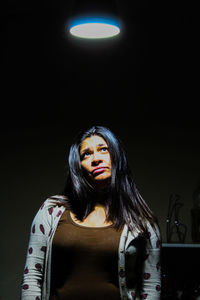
point(51, 208)
point(55, 201)
point(53, 205)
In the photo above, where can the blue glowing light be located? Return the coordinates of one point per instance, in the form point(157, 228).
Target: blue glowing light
point(94, 27)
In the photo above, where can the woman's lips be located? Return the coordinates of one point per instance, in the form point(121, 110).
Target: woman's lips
point(98, 170)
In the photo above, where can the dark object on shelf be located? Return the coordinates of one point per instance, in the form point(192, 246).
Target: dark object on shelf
point(195, 214)
point(175, 228)
point(196, 198)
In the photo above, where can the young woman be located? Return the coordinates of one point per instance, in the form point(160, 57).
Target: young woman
point(99, 240)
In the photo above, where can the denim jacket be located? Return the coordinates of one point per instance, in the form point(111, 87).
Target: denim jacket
point(138, 258)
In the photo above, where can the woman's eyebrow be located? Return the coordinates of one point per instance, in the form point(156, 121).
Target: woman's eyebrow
point(89, 148)
point(100, 145)
point(85, 150)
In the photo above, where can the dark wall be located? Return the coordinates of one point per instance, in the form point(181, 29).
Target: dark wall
point(143, 85)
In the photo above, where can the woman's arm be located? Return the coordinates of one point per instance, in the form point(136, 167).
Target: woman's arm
point(34, 267)
point(151, 288)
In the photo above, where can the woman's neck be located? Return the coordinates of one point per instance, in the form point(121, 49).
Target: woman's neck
point(97, 218)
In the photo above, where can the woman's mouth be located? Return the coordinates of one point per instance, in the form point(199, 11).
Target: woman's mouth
point(98, 170)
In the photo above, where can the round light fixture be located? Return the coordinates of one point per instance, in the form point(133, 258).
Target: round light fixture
point(94, 28)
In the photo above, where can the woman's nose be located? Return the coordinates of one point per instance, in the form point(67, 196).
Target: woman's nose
point(96, 158)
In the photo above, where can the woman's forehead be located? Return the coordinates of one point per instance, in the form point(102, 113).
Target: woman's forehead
point(92, 141)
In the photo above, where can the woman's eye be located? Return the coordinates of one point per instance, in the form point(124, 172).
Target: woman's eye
point(104, 149)
point(84, 155)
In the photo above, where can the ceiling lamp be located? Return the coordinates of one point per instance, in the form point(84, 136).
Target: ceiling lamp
point(94, 19)
point(94, 28)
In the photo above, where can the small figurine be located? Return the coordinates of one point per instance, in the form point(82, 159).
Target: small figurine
point(174, 227)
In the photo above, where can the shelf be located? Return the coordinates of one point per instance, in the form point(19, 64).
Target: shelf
point(176, 245)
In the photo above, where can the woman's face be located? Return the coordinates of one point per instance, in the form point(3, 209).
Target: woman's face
point(95, 158)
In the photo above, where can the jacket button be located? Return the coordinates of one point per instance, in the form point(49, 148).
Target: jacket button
point(122, 284)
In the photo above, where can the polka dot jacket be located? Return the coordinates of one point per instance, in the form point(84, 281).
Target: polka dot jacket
point(138, 258)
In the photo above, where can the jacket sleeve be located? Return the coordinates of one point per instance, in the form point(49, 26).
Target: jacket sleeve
point(151, 281)
point(35, 260)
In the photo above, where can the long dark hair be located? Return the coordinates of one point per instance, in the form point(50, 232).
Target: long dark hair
point(123, 202)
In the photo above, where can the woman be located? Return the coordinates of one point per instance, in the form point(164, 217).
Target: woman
point(99, 240)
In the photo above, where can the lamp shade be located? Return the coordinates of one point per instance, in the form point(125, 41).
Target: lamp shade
point(94, 19)
point(94, 28)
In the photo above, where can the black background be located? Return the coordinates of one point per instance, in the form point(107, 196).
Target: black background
point(147, 75)
point(142, 84)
